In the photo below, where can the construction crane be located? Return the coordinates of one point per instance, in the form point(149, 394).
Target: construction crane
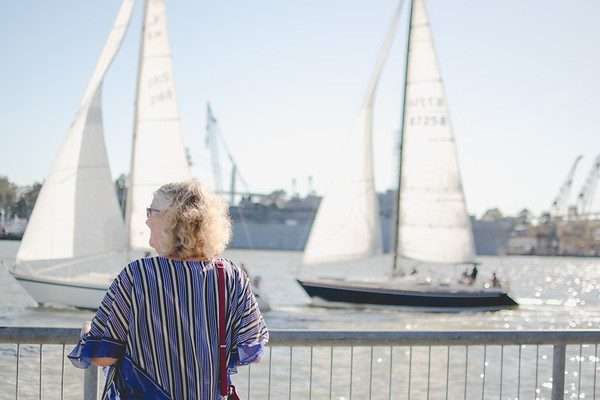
point(215, 142)
point(212, 142)
point(560, 203)
point(585, 197)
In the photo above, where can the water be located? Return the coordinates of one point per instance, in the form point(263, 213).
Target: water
point(554, 293)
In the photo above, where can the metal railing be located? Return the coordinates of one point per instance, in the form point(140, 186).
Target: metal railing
point(302, 364)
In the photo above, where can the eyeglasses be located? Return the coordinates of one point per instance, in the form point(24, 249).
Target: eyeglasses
point(149, 211)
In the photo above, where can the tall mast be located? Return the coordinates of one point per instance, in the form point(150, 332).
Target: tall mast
point(135, 128)
point(395, 267)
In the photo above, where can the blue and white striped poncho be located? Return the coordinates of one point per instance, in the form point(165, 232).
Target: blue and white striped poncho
point(159, 317)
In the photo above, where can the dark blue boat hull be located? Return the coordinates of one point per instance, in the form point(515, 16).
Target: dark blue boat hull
point(344, 292)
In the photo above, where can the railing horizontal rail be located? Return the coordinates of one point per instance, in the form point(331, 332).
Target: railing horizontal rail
point(38, 335)
point(430, 338)
point(338, 338)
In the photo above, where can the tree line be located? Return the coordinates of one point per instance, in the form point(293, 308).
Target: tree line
point(15, 201)
point(18, 201)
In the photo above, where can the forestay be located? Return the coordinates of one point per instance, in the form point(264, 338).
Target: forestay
point(158, 155)
point(77, 213)
point(433, 222)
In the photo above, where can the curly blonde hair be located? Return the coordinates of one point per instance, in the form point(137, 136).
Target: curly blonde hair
point(197, 221)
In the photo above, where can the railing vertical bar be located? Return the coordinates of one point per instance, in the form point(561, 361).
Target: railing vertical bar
point(270, 369)
point(249, 366)
point(428, 369)
point(330, 371)
point(558, 371)
point(40, 395)
point(17, 372)
point(391, 371)
point(519, 373)
point(310, 374)
point(351, 368)
point(371, 374)
point(501, 369)
point(579, 371)
point(595, 369)
point(484, 371)
point(537, 359)
point(466, 369)
point(62, 374)
point(447, 371)
point(290, 382)
point(409, 369)
point(90, 383)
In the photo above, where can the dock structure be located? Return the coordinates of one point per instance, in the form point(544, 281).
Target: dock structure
point(575, 235)
point(327, 364)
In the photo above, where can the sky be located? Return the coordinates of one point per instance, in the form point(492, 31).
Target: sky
point(286, 79)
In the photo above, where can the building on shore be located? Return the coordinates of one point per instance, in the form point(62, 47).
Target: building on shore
point(277, 221)
point(570, 235)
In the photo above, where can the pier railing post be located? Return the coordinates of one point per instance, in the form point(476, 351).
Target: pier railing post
point(90, 383)
point(558, 372)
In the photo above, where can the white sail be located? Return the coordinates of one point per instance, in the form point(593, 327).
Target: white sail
point(76, 213)
point(111, 48)
point(347, 223)
point(433, 222)
point(158, 155)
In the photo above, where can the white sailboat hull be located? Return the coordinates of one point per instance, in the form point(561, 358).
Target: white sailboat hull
point(62, 292)
point(77, 294)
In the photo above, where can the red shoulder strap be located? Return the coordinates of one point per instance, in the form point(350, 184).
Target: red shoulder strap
point(222, 330)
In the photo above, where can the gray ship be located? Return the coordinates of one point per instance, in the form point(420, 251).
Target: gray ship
point(278, 222)
point(274, 222)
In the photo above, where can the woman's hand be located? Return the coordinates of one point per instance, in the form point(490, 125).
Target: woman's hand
point(87, 325)
point(104, 361)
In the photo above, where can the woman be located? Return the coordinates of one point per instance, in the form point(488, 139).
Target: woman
point(157, 326)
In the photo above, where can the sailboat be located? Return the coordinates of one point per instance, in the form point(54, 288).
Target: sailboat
point(76, 227)
point(432, 225)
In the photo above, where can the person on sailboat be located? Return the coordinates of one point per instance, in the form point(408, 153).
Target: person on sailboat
point(473, 275)
point(495, 281)
point(158, 327)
